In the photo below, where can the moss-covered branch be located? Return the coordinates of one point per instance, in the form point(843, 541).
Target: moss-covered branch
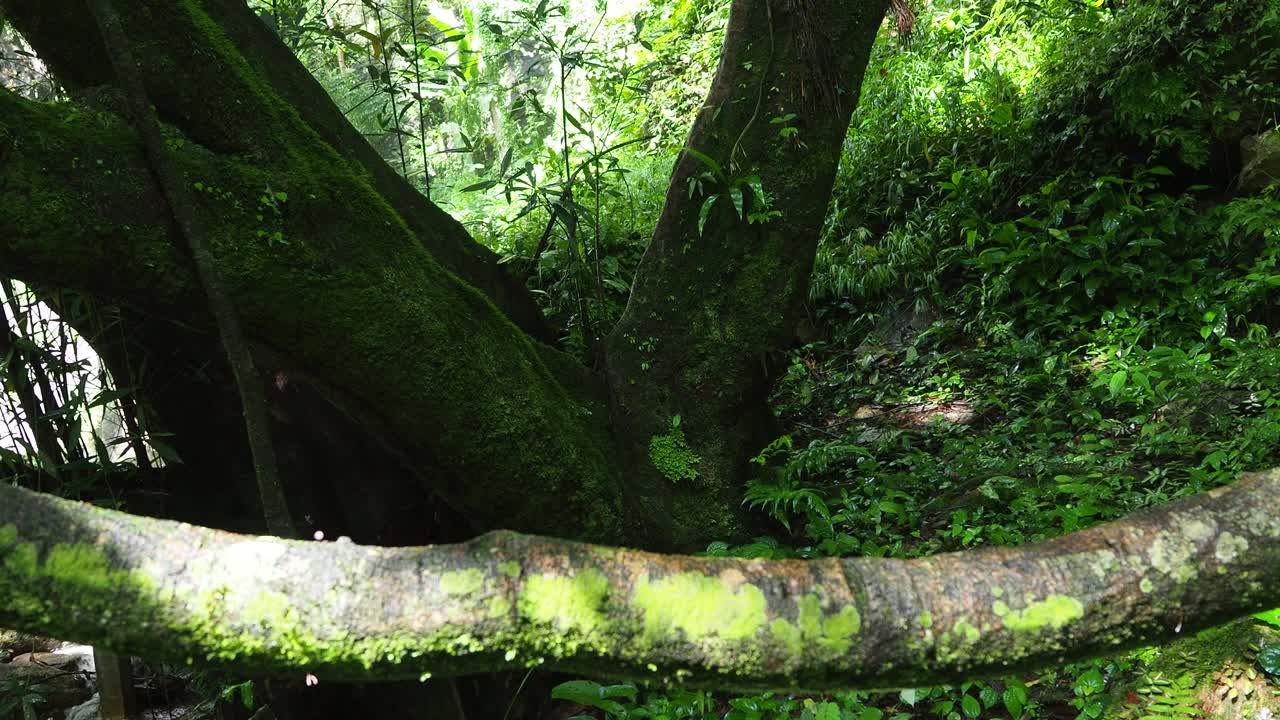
point(343, 611)
point(220, 75)
point(320, 267)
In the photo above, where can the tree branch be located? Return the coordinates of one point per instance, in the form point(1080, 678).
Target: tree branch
point(252, 74)
point(332, 278)
point(172, 591)
point(253, 403)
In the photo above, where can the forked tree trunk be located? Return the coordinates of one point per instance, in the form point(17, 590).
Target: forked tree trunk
point(347, 293)
point(359, 294)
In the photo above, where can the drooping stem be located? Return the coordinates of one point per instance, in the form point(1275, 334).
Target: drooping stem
point(391, 88)
point(417, 79)
point(274, 507)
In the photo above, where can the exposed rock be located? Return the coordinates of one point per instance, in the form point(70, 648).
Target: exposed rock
point(59, 688)
point(13, 643)
point(85, 711)
point(1260, 155)
point(959, 412)
point(82, 653)
point(57, 661)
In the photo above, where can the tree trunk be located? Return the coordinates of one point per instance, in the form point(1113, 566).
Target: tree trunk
point(375, 309)
point(709, 308)
point(174, 52)
point(720, 287)
point(345, 291)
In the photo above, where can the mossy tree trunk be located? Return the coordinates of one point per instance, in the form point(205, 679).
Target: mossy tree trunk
point(358, 282)
point(721, 284)
point(332, 279)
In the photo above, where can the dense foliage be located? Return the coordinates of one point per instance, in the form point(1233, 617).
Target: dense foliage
point(1036, 234)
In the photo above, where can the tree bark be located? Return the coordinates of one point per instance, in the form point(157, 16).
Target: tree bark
point(178, 197)
point(264, 82)
point(342, 611)
point(345, 292)
point(347, 276)
point(719, 289)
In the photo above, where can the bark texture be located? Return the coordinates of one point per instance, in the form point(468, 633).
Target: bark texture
point(372, 289)
point(179, 200)
point(176, 55)
point(167, 590)
point(720, 287)
point(345, 291)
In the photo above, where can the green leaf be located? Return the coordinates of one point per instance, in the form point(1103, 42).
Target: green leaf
point(827, 711)
point(1090, 683)
point(706, 160)
point(1015, 699)
point(1142, 380)
point(704, 212)
point(718, 548)
point(619, 691)
point(736, 195)
point(1117, 382)
point(1270, 617)
point(591, 694)
point(106, 397)
point(970, 705)
point(909, 696)
point(870, 713)
point(574, 122)
point(482, 185)
point(583, 692)
point(1269, 659)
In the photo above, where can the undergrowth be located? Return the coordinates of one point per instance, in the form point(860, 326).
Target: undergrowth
point(1043, 304)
